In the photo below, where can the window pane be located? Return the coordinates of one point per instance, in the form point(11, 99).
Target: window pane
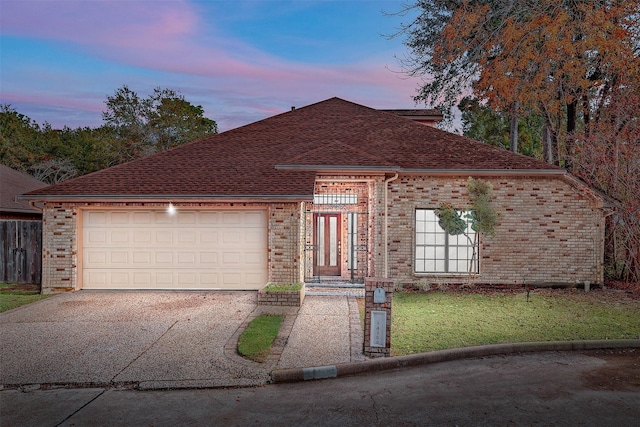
point(333, 241)
point(320, 240)
point(462, 266)
point(442, 252)
point(429, 252)
point(430, 238)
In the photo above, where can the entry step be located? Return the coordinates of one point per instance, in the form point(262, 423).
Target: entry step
point(357, 292)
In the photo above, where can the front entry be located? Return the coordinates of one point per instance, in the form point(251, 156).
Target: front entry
point(327, 242)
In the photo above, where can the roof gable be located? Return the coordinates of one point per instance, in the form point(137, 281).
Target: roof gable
point(279, 156)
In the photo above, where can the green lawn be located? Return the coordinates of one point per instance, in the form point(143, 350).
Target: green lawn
point(255, 342)
point(12, 298)
point(436, 320)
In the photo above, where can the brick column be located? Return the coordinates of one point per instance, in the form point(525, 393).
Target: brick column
point(378, 299)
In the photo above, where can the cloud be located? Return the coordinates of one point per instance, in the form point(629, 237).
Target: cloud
point(123, 24)
point(235, 82)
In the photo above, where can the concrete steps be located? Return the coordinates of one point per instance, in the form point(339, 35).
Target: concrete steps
point(335, 289)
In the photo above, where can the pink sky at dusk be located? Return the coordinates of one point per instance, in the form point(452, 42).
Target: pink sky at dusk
point(241, 60)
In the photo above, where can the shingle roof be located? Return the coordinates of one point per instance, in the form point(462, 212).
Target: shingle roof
point(279, 156)
point(13, 184)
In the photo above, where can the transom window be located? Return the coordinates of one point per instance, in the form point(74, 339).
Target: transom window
point(335, 199)
point(439, 252)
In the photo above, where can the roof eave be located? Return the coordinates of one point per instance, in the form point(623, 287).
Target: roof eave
point(232, 198)
point(432, 172)
point(486, 172)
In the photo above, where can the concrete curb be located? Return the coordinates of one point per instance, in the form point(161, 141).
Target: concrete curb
point(383, 364)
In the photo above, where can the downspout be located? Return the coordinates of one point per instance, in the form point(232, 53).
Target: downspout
point(386, 232)
point(34, 207)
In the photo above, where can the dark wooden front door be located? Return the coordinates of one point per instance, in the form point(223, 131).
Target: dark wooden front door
point(327, 254)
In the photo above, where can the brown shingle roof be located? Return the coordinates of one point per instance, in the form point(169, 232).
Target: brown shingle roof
point(279, 156)
point(12, 184)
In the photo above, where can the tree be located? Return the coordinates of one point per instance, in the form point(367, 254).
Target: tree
point(481, 122)
point(133, 127)
point(607, 157)
point(481, 214)
point(54, 171)
point(557, 59)
point(22, 140)
point(149, 125)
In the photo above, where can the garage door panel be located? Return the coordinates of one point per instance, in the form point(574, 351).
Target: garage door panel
point(122, 257)
point(120, 217)
point(209, 258)
point(96, 237)
point(164, 237)
point(189, 250)
point(142, 258)
point(163, 258)
point(209, 237)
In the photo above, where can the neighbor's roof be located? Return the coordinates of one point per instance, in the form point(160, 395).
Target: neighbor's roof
point(12, 185)
point(280, 156)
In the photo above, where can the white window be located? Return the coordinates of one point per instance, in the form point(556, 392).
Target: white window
point(352, 234)
point(439, 252)
point(335, 199)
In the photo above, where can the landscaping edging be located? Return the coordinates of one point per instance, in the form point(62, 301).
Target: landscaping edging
point(289, 298)
point(384, 364)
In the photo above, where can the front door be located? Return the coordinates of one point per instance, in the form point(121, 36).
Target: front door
point(327, 254)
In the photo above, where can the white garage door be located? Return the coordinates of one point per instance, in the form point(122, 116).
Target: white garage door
point(187, 250)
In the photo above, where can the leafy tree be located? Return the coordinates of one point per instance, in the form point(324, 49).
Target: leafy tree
point(482, 215)
point(88, 149)
point(22, 140)
point(133, 127)
point(481, 122)
point(558, 59)
point(148, 125)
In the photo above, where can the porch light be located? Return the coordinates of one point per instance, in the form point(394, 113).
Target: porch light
point(171, 209)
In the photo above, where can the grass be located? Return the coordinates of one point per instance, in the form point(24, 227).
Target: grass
point(433, 321)
point(283, 287)
point(11, 298)
point(255, 342)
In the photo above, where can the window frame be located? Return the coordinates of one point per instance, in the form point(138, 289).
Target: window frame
point(441, 247)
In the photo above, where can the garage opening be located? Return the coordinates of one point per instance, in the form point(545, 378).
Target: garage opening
point(150, 249)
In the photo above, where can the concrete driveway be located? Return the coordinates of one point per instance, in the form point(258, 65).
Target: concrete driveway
point(153, 339)
point(157, 340)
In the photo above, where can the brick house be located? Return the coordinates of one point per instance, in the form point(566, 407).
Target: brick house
point(334, 190)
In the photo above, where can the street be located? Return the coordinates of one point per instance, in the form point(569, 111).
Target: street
point(590, 388)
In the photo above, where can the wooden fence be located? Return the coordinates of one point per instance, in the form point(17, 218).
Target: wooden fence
point(20, 252)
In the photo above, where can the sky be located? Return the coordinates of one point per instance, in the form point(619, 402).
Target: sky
point(242, 61)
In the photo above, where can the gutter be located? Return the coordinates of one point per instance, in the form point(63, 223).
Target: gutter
point(431, 172)
point(167, 197)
